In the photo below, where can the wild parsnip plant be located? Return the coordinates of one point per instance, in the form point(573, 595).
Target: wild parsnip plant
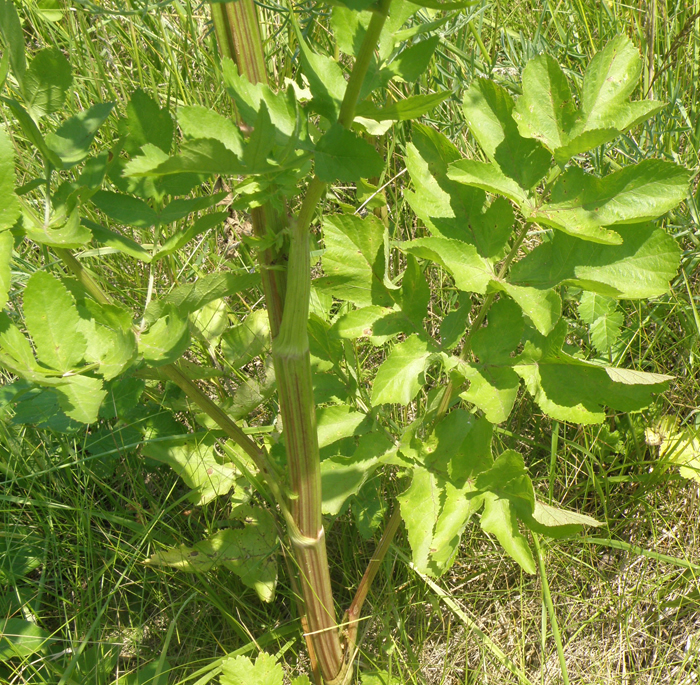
point(80, 357)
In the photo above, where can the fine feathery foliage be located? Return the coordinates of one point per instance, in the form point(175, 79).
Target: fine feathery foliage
point(79, 355)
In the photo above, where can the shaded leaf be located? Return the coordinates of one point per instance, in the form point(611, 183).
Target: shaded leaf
point(46, 82)
point(342, 155)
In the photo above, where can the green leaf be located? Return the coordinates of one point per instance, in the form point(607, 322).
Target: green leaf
point(61, 232)
point(507, 479)
point(470, 271)
point(420, 507)
point(546, 111)
point(414, 60)
point(488, 177)
point(80, 397)
point(146, 122)
point(241, 671)
point(355, 260)
point(400, 377)
point(342, 477)
point(72, 140)
point(111, 346)
point(52, 320)
point(155, 673)
point(182, 207)
point(488, 109)
point(46, 82)
point(605, 322)
point(9, 204)
point(338, 422)
point(358, 323)
point(326, 79)
point(242, 343)
point(205, 156)
point(493, 385)
point(4, 66)
point(342, 155)
point(261, 140)
point(403, 110)
point(556, 522)
point(454, 324)
point(200, 122)
point(499, 519)
point(581, 203)
point(639, 268)
point(7, 242)
point(415, 293)
point(166, 340)
point(195, 461)
point(190, 297)
point(248, 552)
point(16, 345)
point(251, 393)
point(609, 81)
point(31, 131)
point(125, 209)
point(568, 389)
point(450, 209)
point(13, 35)
point(117, 241)
point(20, 638)
point(542, 307)
point(180, 238)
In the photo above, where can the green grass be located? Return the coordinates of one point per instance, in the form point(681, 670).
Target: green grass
point(626, 615)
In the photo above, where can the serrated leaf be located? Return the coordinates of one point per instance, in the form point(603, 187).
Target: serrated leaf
point(355, 260)
point(13, 34)
point(14, 344)
point(190, 297)
point(605, 331)
point(252, 393)
point(415, 293)
point(488, 110)
point(358, 323)
point(72, 140)
point(403, 110)
point(6, 244)
point(542, 307)
point(62, 232)
point(470, 271)
point(52, 320)
point(556, 522)
point(546, 111)
point(399, 378)
point(117, 241)
point(146, 122)
point(581, 203)
point(194, 460)
point(9, 204)
point(454, 324)
point(450, 209)
point(680, 446)
point(241, 671)
point(610, 79)
point(248, 552)
point(342, 477)
point(488, 177)
point(167, 339)
point(342, 155)
point(338, 422)
point(200, 122)
point(640, 267)
point(413, 61)
point(242, 343)
point(20, 639)
point(80, 397)
point(179, 239)
point(593, 305)
point(499, 519)
point(46, 82)
point(31, 130)
point(125, 209)
point(420, 507)
point(568, 389)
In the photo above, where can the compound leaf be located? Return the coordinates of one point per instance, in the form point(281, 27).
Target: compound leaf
point(9, 204)
point(241, 671)
point(80, 397)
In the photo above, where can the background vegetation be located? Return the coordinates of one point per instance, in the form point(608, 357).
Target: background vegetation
point(75, 530)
